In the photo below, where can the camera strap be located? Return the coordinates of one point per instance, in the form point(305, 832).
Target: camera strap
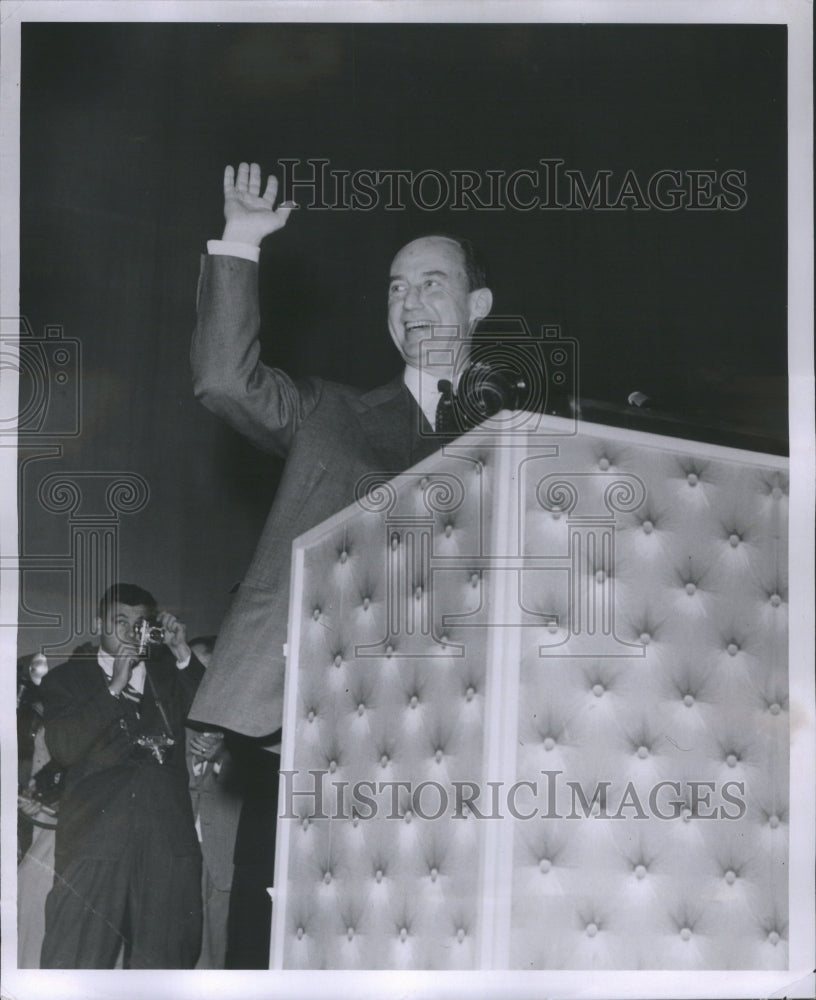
point(168, 729)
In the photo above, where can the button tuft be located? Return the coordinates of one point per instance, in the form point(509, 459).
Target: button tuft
point(773, 937)
point(730, 876)
point(733, 649)
point(591, 929)
point(544, 865)
point(734, 539)
point(688, 700)
point(640, 871)
point(600, 576)
point(350, 933)
point(549, 743)
point(776, 600)
point(645, 638)
point(643, 752)
point(327, 878)
point(360, 708)
point(598, 690)
point(344, 556)
point(685, 933)
point(692, 479)
point(338, 660)
point(403, 934)
point(773, 821)
point(366, 603)
point(691, 589)
point(775, 709)
point(460, 935)
point(434, 874)
point(731, 760)
point(603, 464)
point(300, 933)
point(470, 693)
point(384, 760)
point(648, 527)
point(414, 701)
point(378, 875)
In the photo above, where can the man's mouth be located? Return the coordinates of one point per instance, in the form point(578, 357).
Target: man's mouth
point(417, 324)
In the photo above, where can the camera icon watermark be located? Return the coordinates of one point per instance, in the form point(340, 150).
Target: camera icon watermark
point(47, 367)
point(508, 375)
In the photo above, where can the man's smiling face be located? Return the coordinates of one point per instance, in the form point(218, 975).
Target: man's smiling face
point(429, 288)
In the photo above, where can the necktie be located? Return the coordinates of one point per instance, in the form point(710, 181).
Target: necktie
point(445, 419)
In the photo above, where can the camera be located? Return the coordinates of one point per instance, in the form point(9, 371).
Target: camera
point(506, 368)
point(157, 747)
point(147, 634)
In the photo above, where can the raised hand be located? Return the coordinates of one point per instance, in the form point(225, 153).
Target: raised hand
point(123, 664)
point(175, 635)
point(250, 215)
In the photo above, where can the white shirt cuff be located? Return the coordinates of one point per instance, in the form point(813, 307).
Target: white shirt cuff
point(227, 248)
point(183, 664)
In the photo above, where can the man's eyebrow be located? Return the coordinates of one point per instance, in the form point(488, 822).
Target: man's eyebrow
point(425, 274)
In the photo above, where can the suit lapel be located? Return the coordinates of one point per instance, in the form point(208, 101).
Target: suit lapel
point(395, 427)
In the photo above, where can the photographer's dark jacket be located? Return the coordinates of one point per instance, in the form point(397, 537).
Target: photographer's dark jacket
point(113, 786)
point(331, 436)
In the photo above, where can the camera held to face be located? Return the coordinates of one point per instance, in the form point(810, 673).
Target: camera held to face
point(147, 634)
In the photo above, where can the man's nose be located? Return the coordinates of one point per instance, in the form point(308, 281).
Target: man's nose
point(412, 297)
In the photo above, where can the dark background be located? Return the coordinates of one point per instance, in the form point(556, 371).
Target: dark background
point(125, 132)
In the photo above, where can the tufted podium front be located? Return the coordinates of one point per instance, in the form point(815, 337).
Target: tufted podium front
point(536, 711)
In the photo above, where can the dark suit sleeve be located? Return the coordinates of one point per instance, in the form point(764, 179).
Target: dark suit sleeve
point(262, 403)
point(188, 681)
point(77, 712)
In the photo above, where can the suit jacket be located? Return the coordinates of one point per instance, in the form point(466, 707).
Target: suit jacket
point(113, 787)
point(330, 434)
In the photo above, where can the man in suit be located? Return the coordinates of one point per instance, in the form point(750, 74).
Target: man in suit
point(331, 435)
point(127, 861)
point(216, 797)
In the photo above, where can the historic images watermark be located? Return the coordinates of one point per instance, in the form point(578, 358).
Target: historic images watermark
point(92, 504)
point(551, 797)
point(550, 185)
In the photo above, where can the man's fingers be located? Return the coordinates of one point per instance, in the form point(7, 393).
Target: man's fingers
point(229, 179)
point(271, 191)
point(254, 179)
point(242, 180)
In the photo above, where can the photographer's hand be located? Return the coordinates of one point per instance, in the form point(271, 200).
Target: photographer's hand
point(123, 664)
point(175, 636)
point(249, 215)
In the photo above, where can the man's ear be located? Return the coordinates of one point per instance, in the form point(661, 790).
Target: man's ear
point(481, 302)
point(96, 628)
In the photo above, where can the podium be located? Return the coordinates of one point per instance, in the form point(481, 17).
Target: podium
point(536, 711)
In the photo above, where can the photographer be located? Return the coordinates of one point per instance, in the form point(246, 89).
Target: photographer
point(127, 864)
